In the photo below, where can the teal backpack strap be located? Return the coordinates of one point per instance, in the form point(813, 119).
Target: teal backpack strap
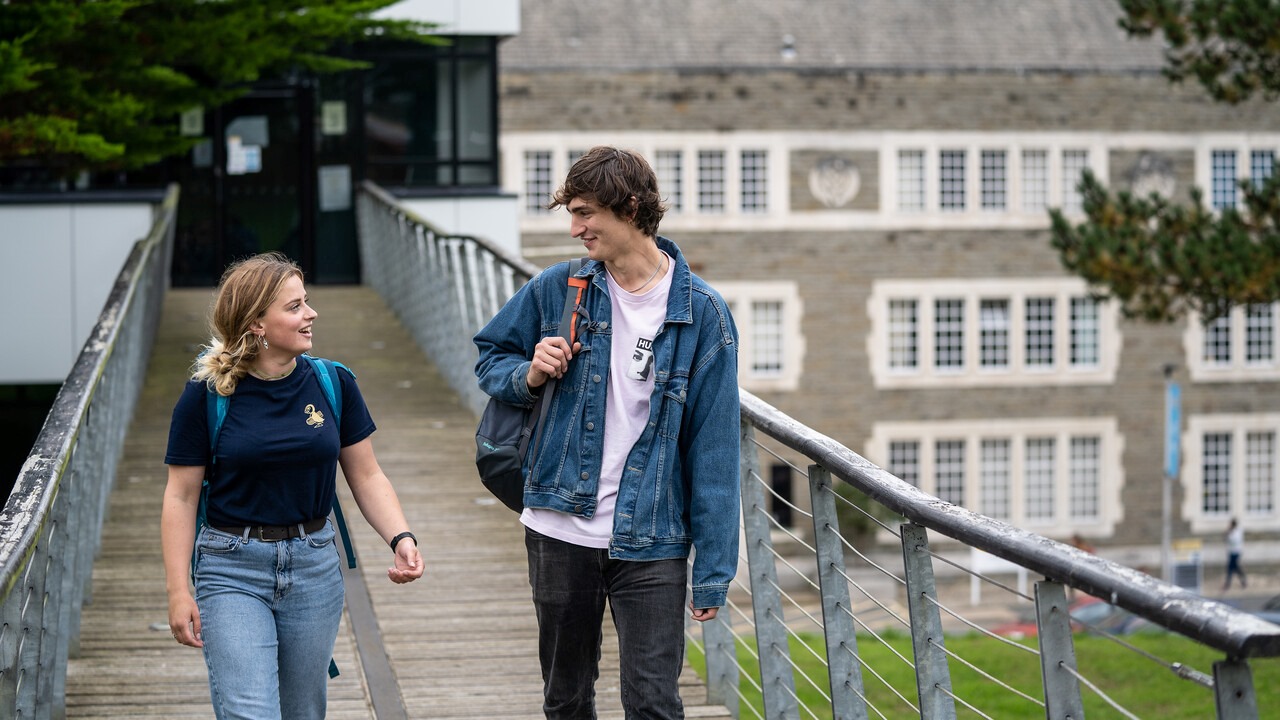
point(326, 371)
point(215, 413)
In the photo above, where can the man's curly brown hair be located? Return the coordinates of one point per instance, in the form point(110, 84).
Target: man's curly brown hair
point(620, 180)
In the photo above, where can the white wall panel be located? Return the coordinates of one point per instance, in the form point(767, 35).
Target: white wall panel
point(462, 17)
point(57, 266)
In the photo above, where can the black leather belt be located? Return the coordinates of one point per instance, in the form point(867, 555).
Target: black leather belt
point(274, 533)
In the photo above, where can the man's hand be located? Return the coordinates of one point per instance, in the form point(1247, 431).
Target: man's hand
point(551, 358)
point(702, 614)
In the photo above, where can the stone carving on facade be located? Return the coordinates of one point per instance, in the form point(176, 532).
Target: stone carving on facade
point(1152, 173)
point(834, 181)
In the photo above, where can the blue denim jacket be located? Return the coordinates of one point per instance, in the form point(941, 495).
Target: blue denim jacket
point(680, 486)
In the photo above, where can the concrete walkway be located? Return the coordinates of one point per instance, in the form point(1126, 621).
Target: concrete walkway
point(461, 642)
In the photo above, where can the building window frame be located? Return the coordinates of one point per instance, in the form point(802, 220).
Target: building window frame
point(1240, 346)
point(959, 342)
point(771, 347)
point(1230, 469)
point(1052, 475)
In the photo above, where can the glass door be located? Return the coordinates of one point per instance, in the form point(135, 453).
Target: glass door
point(245, 186)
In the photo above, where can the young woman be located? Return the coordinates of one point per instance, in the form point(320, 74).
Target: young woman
point(268, 588)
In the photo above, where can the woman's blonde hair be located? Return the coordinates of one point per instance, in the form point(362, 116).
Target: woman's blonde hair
point(246, 290)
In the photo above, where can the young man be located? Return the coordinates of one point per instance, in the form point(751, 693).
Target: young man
point(639, 454)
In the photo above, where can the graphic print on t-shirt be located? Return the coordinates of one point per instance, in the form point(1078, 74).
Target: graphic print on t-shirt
point(641, 359)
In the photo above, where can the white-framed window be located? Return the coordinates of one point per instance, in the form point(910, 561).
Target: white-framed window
point(949, 470)
point(754, 177)
point(911, 181)
point(1039, 466)
point(573, 155)
point(997, 331)
point(922, 179)
point(948, 333)
point(711, 181)
point(1085, 332)
point(904, 334)
point(1230, 469)
point(993, 333)
point(995, 171)
point(973, 181)
point(1084, 484)
point(1260, 334)
point(994, 468)
point(904, 461)
point(1260, 472)
point(1038, 322)
point(1237, 347)
point(1222, 164)
point(537, 182)
point(1262, 163)
point(768, 338)
point(668, 165)
point(951, 180)
point(1053, 475)
point(1074, 163)
point(1035, 180)
point(1223, 188)
point(771, 347)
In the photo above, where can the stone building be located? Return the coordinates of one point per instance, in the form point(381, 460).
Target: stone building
point(868, 184)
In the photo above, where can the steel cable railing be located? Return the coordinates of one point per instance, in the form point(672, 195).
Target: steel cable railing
point(51, 524)
point(445, 286)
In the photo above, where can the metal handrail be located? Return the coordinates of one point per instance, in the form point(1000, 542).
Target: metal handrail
point(53, 518)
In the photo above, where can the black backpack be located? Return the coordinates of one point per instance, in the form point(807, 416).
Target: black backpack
point(505, 431)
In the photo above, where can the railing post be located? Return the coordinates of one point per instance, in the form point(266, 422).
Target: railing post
point(1233, 690)
point(1057, 651)
point(843, 670)
point(777, 683)
point(722, 662)
point(933, 677)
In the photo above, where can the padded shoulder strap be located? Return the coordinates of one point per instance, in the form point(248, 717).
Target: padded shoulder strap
point(327, 374)
point(575, 287)
point(215, 414)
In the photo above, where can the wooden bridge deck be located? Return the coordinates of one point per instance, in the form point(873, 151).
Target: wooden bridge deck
point(461, 641)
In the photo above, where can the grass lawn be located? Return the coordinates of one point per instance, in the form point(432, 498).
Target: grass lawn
point(1144, 687)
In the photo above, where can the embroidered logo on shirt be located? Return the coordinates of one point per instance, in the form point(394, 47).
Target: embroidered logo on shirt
point(315, 418)
point(641, 360)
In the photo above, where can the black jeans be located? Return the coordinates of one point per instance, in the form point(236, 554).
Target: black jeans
point(647, 599)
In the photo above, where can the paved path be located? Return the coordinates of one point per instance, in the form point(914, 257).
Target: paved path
point(461, 641)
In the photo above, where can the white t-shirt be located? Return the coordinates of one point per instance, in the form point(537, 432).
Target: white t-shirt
point(1235, 540)
point(636, 322)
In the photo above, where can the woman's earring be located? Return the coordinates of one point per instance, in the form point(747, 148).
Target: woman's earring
point(265, 346)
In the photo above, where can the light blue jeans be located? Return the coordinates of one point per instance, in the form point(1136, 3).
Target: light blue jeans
point(269, 613)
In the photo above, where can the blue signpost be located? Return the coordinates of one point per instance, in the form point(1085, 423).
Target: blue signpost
point(1172, 445)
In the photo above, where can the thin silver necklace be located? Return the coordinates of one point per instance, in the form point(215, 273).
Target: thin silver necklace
point(661, 262)
point(281, 376)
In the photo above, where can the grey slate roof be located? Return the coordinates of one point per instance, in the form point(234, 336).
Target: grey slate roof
point(937, 35)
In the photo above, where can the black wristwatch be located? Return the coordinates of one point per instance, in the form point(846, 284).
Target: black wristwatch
point(406, 534)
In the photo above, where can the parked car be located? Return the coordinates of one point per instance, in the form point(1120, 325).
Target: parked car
point(1088, 614)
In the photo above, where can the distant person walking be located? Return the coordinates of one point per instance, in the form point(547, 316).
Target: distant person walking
point(1235, 546)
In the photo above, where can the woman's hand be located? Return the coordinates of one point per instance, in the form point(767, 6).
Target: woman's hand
point(408, 563)
point(184, 620)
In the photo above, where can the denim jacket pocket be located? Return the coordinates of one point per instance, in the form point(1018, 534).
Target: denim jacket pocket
point(671, 415)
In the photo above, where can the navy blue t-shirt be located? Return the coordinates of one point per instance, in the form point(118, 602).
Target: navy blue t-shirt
point(277, 454)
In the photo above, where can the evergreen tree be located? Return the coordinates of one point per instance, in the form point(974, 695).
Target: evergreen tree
point(101, 84)
point(1161, 260)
